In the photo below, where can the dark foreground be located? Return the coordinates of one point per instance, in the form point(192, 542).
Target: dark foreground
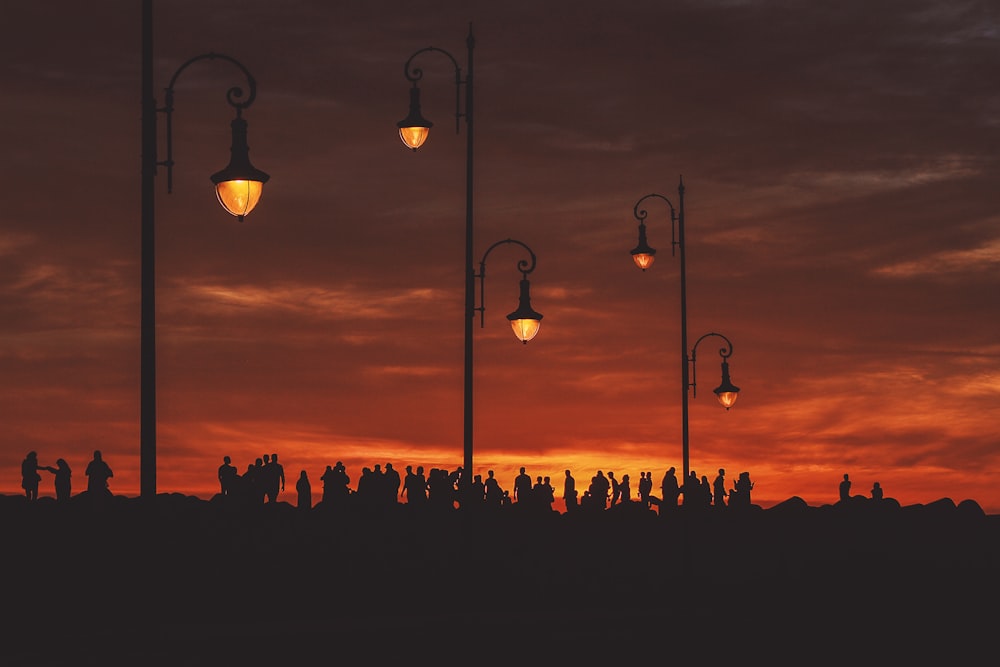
point(183, 581)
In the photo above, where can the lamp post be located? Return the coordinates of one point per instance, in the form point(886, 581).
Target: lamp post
point(413, 130)
point(643, 256)
point(238, 188)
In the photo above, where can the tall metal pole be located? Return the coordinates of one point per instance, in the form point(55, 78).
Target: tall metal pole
point(470, 277)
point(147, 410)
point(685, 381)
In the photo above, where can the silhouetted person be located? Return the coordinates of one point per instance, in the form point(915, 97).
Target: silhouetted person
point(274, 478)
point(29, 475)
point(522, 487)
point(392, 484)
point(227, 474)
point(63, 479)
point(569, 493)
point(876, 491)
point(719, 492)
point(416, 488)
point(645, 487)
point(625, 489)
point(599, 489)
point(304, 491)
point(616, 492)
point(740, 495)
point(691, 490)
point(669, 489)
point(493, 491)
point(845, 488)
point(327, 479)
point(98, 473)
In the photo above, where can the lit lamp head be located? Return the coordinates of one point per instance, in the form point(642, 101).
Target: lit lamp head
point(414, 128)
point(727, 392)
point(240, 184)
point(524, 320)
point(642, 254)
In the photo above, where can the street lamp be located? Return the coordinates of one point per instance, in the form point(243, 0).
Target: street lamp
point(643, 256)
point(525, 321)
point(238, 188)
point(413, 130)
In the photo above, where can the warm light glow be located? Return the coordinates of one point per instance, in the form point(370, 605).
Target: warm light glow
point(643, 260)
point(414, 137)
point(525, 329)
point(727, 398)
point(239, 197)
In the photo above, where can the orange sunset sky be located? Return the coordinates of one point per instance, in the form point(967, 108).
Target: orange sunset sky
point(842, 220)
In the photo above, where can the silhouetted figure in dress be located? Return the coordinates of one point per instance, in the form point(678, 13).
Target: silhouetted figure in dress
point(304, 490)
point(845, 488)
point(63, 479)
point(740, 495)
point(29, 475)
point(569, 493)
point(522, 487)
point(227, 474)
point(327, 479)
point(876, 492)
point(719, 492)
point(669, 490)
point(98, 473)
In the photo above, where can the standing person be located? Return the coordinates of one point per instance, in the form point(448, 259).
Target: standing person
point(877, 491)
point(670, 488)
point(522, 487)
point(392, 484)
point(493, 492)
point(98, 473)
point(845, 488)
point(304, 490)
point(616, 491)
point(29, 475)
point(645, 487)
point(719, 492)
point(227, 476)
point(740, 495)
point(63, 479)
point(275, 478)
point(569, 492)
point(625, 489)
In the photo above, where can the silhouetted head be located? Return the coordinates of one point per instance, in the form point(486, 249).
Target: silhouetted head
point(567, 473)
point(274, 457)
point(226, 459)
point(522, 470)
point(97, 455)
point(489, 473)
point(32, 455)
point(61, 463)
point(722, 471)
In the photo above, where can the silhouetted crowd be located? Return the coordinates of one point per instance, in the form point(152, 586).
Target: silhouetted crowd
point(379, 486)
point(383, 486)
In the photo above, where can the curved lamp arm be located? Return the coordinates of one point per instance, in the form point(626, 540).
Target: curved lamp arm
point(233, 96)
point(525, 321)
point(643, 254)
point(414, 128)
point(726, 392)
